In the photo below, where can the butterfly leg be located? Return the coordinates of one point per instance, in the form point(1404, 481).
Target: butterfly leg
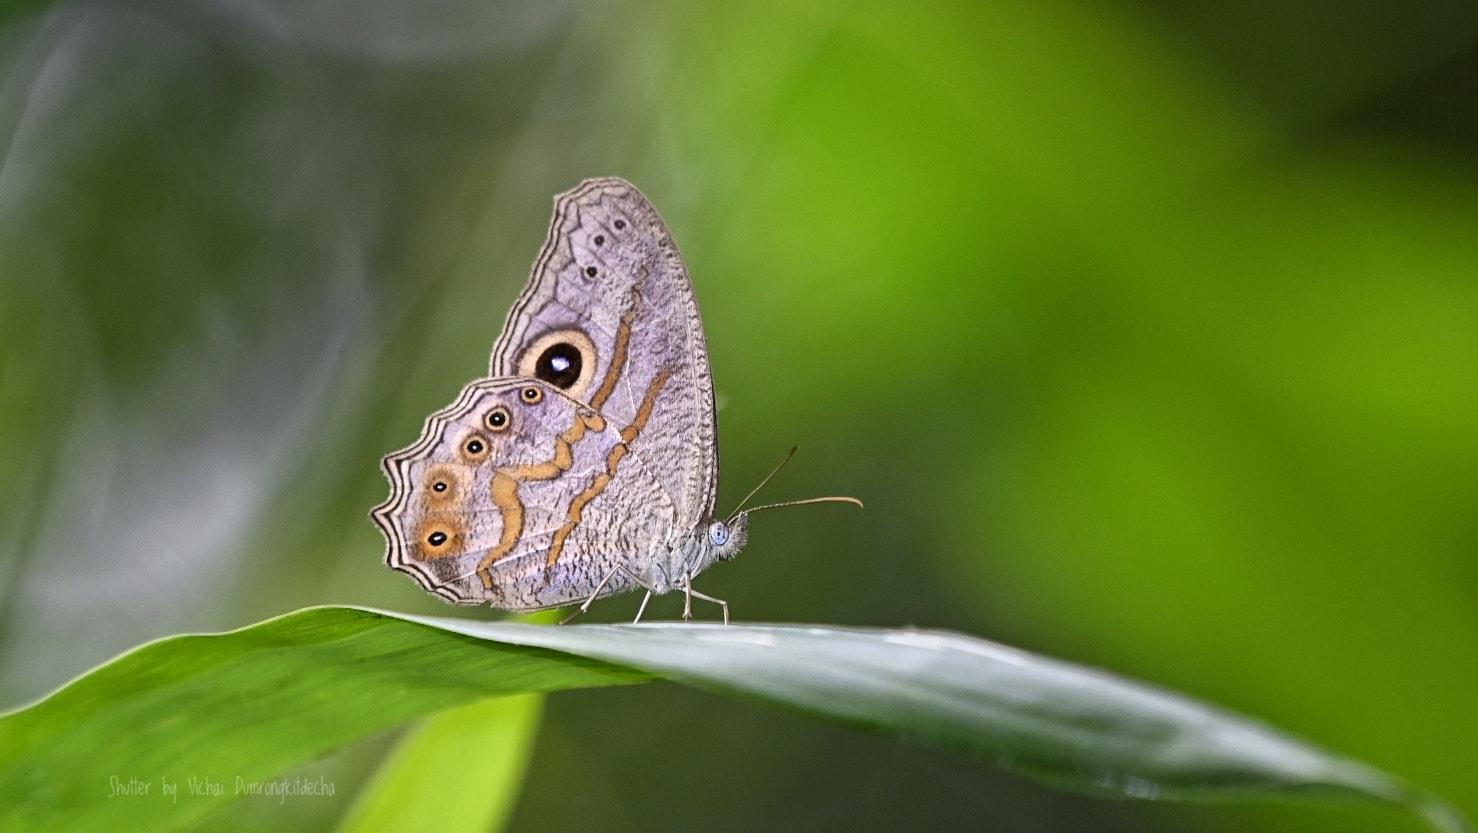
point(689, 593)
point(643, 608)
point(642, 583)
point(596, 592)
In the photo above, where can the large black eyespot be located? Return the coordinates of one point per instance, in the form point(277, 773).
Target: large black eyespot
point(559, 365)
point(564, 357)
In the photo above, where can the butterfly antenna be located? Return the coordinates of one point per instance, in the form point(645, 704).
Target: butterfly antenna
point(828, 499)
point(756, 489)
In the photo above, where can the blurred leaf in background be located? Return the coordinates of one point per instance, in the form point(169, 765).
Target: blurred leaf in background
point(1147, 331)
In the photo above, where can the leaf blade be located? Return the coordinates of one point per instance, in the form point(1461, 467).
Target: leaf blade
point(206, 698)
point(457, 772)
point(248, 703)
point(1047, 712)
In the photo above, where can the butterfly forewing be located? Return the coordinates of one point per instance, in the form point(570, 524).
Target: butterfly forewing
point(610, 318)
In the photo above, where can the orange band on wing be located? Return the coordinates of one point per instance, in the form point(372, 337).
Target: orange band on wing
point(618, 361)
point(504, 488)
point(602, 480)
point(623, 342)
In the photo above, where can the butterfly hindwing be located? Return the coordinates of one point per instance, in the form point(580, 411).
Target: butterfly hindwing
point(508, 497)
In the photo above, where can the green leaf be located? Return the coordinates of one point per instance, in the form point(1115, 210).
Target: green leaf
point(477, 753)
point(458, 772)
point(252, 702)
point(246, 704)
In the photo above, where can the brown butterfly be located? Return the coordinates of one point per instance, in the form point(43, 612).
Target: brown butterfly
point(587, 463)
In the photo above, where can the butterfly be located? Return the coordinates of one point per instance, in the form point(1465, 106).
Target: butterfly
point(586, 463)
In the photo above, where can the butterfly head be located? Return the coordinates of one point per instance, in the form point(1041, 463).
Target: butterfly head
point(726, 539)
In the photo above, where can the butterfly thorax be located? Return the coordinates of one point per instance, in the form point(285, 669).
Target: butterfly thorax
point(694, 552)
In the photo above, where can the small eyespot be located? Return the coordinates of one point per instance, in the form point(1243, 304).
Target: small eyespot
point(475, 448)
point(620, 224)
point(590, 270)
point(531, 396)
point(497, 419)
point(441, 485)
point(438, 537)
point(600, 239)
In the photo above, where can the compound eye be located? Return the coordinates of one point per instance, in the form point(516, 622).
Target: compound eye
point(718, 533)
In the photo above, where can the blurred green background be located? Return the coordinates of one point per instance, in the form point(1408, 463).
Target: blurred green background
point(1148, 332)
